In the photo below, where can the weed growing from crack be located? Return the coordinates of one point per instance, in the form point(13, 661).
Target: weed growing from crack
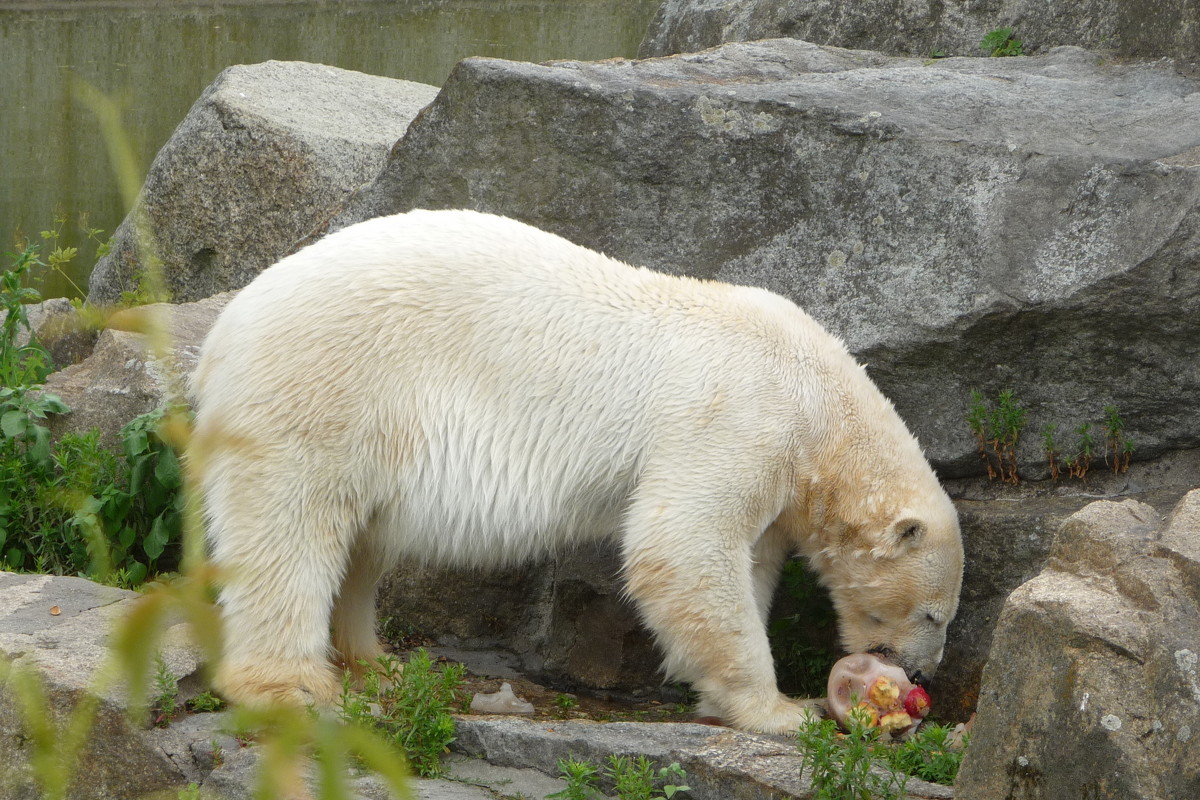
point(166, 685)
point(929, 755)
point(844, 766)
point(864, 764)
point(1079, 463)
point(632, 779)
point(997, 427)
point(1001, 42)
point(1117, 448)
point(409, 703)
point(1050, 446)
point(582, 778)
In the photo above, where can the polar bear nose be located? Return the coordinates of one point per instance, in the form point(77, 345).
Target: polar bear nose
point(920, 679)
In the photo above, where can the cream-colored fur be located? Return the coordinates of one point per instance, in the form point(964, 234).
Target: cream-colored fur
point(469, 390)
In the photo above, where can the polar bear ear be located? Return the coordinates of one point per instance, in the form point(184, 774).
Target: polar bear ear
point(904, 533)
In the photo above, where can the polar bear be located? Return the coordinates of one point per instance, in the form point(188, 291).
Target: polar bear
point(464, 389)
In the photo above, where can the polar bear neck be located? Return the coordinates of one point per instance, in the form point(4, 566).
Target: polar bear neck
point(859, 477)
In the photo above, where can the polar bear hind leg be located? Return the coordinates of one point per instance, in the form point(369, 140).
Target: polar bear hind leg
point(354, 636)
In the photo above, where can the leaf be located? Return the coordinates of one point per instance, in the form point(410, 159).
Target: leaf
point(136, 572)
point(167, 470)
point(137, 473)
point(39, 452)
point(14, 423)
point(156, 541)
point(53, 404)
point(135, 441)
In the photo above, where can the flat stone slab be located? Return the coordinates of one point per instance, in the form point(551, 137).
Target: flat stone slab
point(721, 763)
point(58, 627)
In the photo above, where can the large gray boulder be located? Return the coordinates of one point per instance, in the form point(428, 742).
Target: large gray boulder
point(1008, 533)
point(1093, 685)
point(995, 223)
point(265, 155)
point(1130, 28)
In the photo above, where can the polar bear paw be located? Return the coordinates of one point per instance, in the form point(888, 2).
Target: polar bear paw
point(260, 685)
point(783, 716)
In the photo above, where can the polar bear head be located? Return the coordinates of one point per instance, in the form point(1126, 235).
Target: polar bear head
point(895, 582)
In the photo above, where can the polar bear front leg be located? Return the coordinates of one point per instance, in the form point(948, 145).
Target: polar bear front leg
point(280, 553)
point(695, 584)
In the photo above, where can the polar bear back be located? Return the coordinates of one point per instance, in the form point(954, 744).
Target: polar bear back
point(485, 377)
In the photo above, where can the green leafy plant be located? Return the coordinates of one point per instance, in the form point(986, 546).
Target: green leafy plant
point(205, 702)
point(840, 766)
point(638, 779)
point(1050, 446)
point(154, 483)
point(75, 508)
point(997, 427)
point(1117, 448)
point(632, 779)
point(60, 257)
point(414, 701)
point(71, 507)
point(166, 687)
point(929, 755)
point(1079, 463)
point(27, 364)
point(146, 289)
point(582, 779)
point(564, 703)
point(1001, 42)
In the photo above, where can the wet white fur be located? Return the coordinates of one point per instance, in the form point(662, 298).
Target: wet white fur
point(468, 390)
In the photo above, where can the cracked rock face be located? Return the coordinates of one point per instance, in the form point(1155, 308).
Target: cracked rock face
point(1026, 224)
point(1131, 28)
point(1093, 685)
